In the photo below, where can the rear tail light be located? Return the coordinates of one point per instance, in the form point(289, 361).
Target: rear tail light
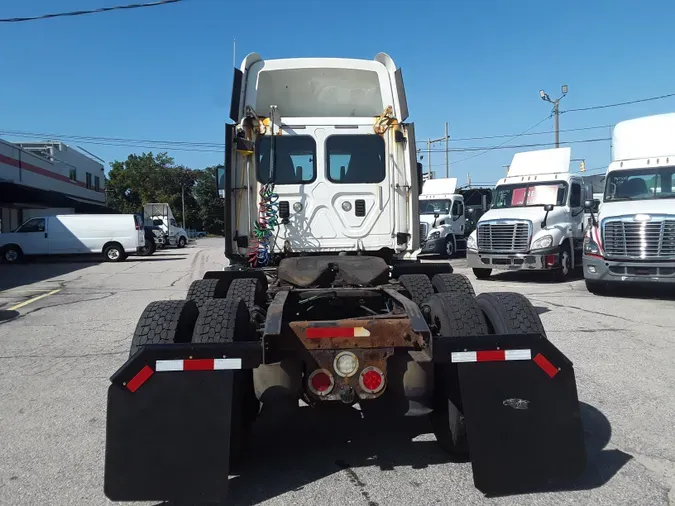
point(321, 382)
point(371, 380)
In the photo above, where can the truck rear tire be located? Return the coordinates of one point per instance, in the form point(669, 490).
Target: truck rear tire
point(454, 316)
point(205, 289)
point(225, 321)
point(164, 322)
point(251, 290)
point(453, 283)
point(482, 273)
point(149, 248)
point(510, 313)
point(418, 287)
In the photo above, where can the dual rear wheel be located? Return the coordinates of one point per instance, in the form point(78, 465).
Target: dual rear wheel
point(209, 319)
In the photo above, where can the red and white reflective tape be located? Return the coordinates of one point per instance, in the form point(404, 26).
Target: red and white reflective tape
point(330, 332)
point(505, 356)
point(198, 364)
point(193, 364)
point(490, 356)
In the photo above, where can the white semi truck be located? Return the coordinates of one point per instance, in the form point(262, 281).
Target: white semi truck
point(159, 215)
point(632, 236)
point(536, 221)
point(442, 219)
point(318, 304)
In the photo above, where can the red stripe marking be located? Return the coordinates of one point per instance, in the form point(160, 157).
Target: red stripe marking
point(44, 172)
point(198, 364)
point(327, 332)
point(545, 365)
point(490, 356)
point(140, 378)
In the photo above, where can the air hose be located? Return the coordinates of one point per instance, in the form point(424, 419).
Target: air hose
point(260, 251)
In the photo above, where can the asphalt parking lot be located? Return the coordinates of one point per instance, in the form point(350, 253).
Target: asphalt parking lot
point(66, 326)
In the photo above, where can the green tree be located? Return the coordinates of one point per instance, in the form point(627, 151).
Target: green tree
point(209, 204)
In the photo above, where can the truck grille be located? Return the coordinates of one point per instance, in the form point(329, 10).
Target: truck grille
point(424, 230)
point(507, 237)
point(647, 240)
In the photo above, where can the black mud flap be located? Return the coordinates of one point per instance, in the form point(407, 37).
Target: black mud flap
point(522, 413)
point(168, 426)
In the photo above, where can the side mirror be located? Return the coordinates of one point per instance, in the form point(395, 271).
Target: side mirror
point(588, 205)
point(420, 177)
point(436, 215)
point(220, 181)
point(548, 208)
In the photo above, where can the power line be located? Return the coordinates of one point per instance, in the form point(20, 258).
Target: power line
point(618, 104)
point(513, 146)
point(502, 144)
point(92, 11)
point(501, 136)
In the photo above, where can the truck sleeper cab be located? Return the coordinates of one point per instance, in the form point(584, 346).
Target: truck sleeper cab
point(537, 218)
point(329, 135)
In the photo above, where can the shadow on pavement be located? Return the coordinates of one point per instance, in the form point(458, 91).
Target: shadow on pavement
point(534, 276)
point(631, 290)
point(6, 315)
point(314, 443)
point(37, 269)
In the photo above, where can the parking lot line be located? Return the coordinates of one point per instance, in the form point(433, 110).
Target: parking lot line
point(29, 301)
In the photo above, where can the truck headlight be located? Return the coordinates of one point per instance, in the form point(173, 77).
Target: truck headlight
point(542, 242)
point(591, 247)
point(434, 235)
point(471, 242)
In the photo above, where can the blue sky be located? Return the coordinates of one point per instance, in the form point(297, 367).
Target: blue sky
point(165, 72)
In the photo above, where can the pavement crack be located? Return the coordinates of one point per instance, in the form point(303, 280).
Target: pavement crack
point(173, 283)
point(586, 310)
point(356, 481)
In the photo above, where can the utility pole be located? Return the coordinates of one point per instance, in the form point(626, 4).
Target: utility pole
point(447, 147)
point(429, 157)
point(556, 110)
point(183, 199)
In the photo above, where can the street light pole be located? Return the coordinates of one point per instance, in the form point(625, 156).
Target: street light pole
point(556, 110)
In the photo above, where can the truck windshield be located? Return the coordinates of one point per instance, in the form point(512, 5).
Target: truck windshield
point(530, 195)
point(640, 184)
point(435, 206)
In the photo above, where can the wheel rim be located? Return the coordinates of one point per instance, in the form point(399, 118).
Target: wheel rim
point(11, 255)
point(113, 254)
point(449, 249)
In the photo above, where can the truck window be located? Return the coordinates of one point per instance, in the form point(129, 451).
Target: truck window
point(173, 222)
point(295, 159)
point(523, 195)
point(458, 208)
point(355, 158)
point(34, 225)
point(575, 195)
point(435, 206)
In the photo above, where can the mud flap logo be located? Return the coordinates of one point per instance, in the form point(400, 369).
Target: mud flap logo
point(516, 403)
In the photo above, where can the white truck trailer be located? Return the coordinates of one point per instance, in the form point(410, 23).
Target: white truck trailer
point(442, 220)
point(632, 236)
point(536, 221)
point(321, 193)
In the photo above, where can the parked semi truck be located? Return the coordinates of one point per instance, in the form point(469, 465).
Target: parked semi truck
point(536, 221)
point(632, 235)
point(321, 191)
point(442, 218)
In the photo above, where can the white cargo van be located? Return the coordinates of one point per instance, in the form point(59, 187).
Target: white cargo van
point(114, 235)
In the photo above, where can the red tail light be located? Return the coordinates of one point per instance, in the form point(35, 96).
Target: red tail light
point(321, 382)
point(371, 380)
